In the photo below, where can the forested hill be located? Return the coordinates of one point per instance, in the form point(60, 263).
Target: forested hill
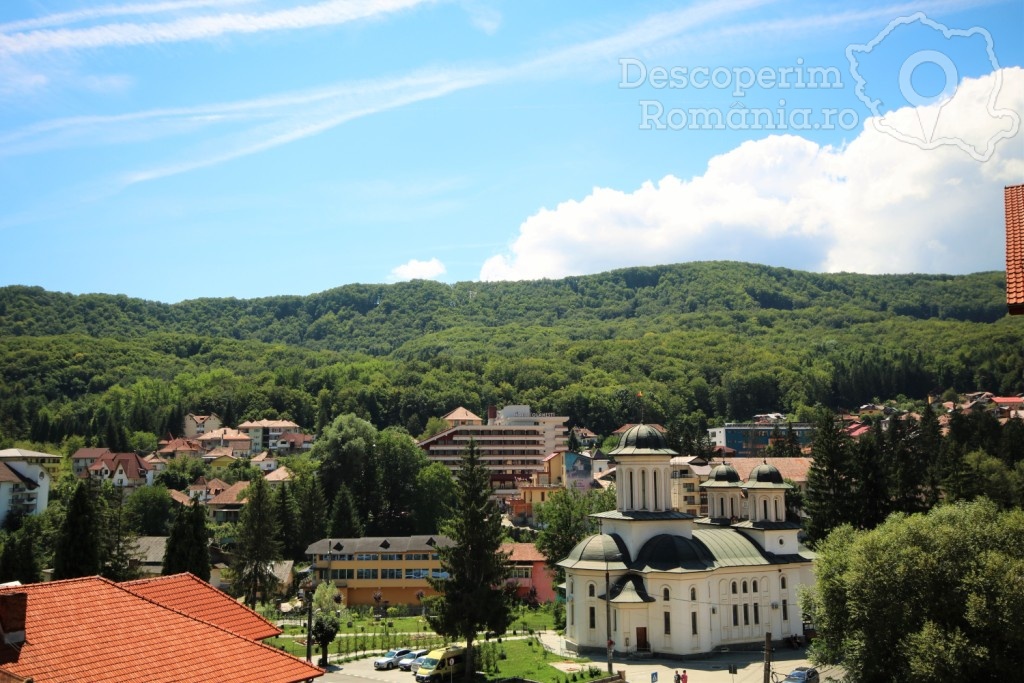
point(377, 319)
point(700, 340)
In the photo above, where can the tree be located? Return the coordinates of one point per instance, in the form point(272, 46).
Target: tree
point(345, 522)
point(257, 547)
point(188, 546)
point(78, 550)
point(828, 479)
point(398, 460)
point(313, 509)
point(325, 628)
point(472, 593)
point(434, 496)
point(180, 472)
point(287, 511)
point(565, 521)
point(120, 561)
point(148, 510)
point(960, 566)
point(346, 451)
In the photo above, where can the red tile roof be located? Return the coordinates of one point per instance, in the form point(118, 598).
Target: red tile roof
point(200, 600)
point(1014, 201)
point(9, 474)
point(134, 467)
point(461, 413)
point(179, 497)
point(230, 495)
point(790, 468)
point(522, 552)
point(92, 629)
point(89, 453)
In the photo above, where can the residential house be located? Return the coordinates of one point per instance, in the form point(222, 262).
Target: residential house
point(155, 463)
point(297, 442)
point(530, 572)
point(123, 470)
point(512, 444)
point(227, 505)
point(265, 461)
point(585, 437)
point(204, 490)
point(194, 426)
point(49, 462)
point(175, 448)
point(24, 488)
point(83, 458)
point(686, 478)
point(220, 459)
point(277, 477)
point(238, 443)
point(266, 434)
point(397, 566)
point(174, 628)
point(1013, 200)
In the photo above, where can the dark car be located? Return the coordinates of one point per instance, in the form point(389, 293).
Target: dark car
point(802, 674)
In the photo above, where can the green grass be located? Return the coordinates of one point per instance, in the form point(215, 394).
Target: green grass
point(529, 659)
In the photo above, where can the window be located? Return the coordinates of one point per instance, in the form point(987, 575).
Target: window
point(615, 620)
point(693, 594)
point(390, 573)
point(783, 583)
point(757, 613)
point(734, 588)
point(417, 572)
point(593, 617)
point(754, 587)
point(390, 557)
point(570, 589)
point(735, 616)
point(438, 574)
point(746, 614)
point(342, 574)
point(665, 595)
point(416, 557)
point(366, 557)
point(693, 623)
point(521, 572)
point(366, 573)
point(668, 623)
point(590, 590)
point(744, 586)
point(785, 611)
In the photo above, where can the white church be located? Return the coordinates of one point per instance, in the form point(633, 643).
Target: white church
point(660, 581)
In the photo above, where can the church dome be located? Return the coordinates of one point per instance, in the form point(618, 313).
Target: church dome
point(666, 552)
point(766, 474)
point(604, 549)
point(642, 439)
point(724, 474)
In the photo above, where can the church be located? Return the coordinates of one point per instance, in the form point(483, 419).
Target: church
point(664, 582)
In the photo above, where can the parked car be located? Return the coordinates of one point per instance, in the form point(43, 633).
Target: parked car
point(405, 664)
point(390, 659)
point(417, 663)
point(802, 674)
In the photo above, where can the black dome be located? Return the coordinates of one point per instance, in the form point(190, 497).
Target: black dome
point(766, 474)
point(642, 439)
point(667, 551)
point(725, 473)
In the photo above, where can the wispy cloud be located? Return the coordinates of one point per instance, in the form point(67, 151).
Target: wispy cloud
point(198, 27)
point(106, 11)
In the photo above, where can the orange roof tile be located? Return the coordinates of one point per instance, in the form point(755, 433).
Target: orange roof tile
point(179, 497)
point(198, 599)
point(523, 552)
point(461, 413)
point(1014, 201)
point(92, 629)
point(230, 495)
point(790, 468)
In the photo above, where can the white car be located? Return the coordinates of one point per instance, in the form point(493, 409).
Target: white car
point(405, 664)
point(390, 659)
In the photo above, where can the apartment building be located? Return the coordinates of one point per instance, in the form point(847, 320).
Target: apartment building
point(268, 435)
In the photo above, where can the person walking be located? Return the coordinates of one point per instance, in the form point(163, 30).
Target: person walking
point(684, 677)
point(676, 678)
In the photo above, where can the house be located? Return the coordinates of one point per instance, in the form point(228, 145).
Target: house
point(204, 490)
point(83, 458)
point(156, 464)
point(194, 426)
point(530, 572)
point(296, 441)
point(585, 437)
point(220, 459)
point(397, 566)
point(24, 488)
point(1013, 199)
point(236, 442)
point(686, 475)
point(277, 477)
point(265, 461)
point(675, 585)
point(149, 552)
point(49, 462)
point(266, 434)
point(513, 443)
point(227, 505)
point(175, 448)
point(123, 470)
point(174, 628)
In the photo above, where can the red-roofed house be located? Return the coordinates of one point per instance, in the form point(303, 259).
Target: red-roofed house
point(205, 489)
point(238, 443)
point(265, 461)
point(178, 447)
point(92, 629)
point(124, 470)
point(227, 505)
point(530, 571)
point(297, 441)
point(83, 458)
point(278, 477)
point(1013, 197)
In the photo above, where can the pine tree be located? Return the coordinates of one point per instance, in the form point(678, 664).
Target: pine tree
point(188, 546)
point(829, 478)
point(472, 596)
point(287, 512)
point(345, 522)
point(258, 547)
point(120, 563)
point(78, 551)
point(312, 510)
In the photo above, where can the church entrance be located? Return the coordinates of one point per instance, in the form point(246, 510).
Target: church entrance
point(641, 639)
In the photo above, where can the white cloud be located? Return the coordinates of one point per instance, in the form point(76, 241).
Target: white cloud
point(104, 11)
point(418, 270)
point(876, 205)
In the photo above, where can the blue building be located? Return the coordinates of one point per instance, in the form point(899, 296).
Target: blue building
point(749, 439)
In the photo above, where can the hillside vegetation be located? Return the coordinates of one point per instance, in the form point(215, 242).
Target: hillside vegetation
point(700, 340)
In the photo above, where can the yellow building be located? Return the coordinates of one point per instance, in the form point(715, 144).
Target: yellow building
point(398, 567)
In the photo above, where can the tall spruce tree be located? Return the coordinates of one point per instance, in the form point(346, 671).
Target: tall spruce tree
point(472, 596)
point(79, 541)
point(120, 562)
point(188, 546)
point(258, 547)
point(345, 522)
point(287, 512)
point(829, 479)
point(313, 509)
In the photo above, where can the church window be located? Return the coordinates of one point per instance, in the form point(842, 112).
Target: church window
point(734, 588)
point(665, 595)
point(590, 589)
point(693, 593)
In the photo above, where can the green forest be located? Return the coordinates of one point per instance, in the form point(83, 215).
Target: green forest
point(707, 341)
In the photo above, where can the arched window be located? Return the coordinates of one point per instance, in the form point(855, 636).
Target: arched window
point(721, 506)
point(665, 595)
point(777, 518)
point(754, 586)
point(783, 583)
point(693, 594)
point(590, 590)
point(643, 489)
point(571, 583)
point(765, 508)
point(734, 588)
point(732, 507)
point(632, 502)
point(654, 480)
point(744, 586)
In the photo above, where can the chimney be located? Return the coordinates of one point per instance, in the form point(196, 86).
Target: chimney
point(13, 607)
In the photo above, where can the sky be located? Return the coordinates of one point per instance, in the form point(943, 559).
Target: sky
point(177, 149)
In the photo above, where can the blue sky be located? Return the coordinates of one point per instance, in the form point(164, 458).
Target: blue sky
point(174, 149)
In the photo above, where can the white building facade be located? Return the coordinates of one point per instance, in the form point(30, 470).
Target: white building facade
point(660, 581)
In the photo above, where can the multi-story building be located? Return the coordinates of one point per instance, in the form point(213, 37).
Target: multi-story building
point(513, 443)
point(49, 462)
point(239, 443)
point(194, 426)
point(398, 567)
point(268, 435)
point(24, 488)
point(749, 439)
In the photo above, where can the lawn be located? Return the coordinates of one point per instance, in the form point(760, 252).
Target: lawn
point(527, 658)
